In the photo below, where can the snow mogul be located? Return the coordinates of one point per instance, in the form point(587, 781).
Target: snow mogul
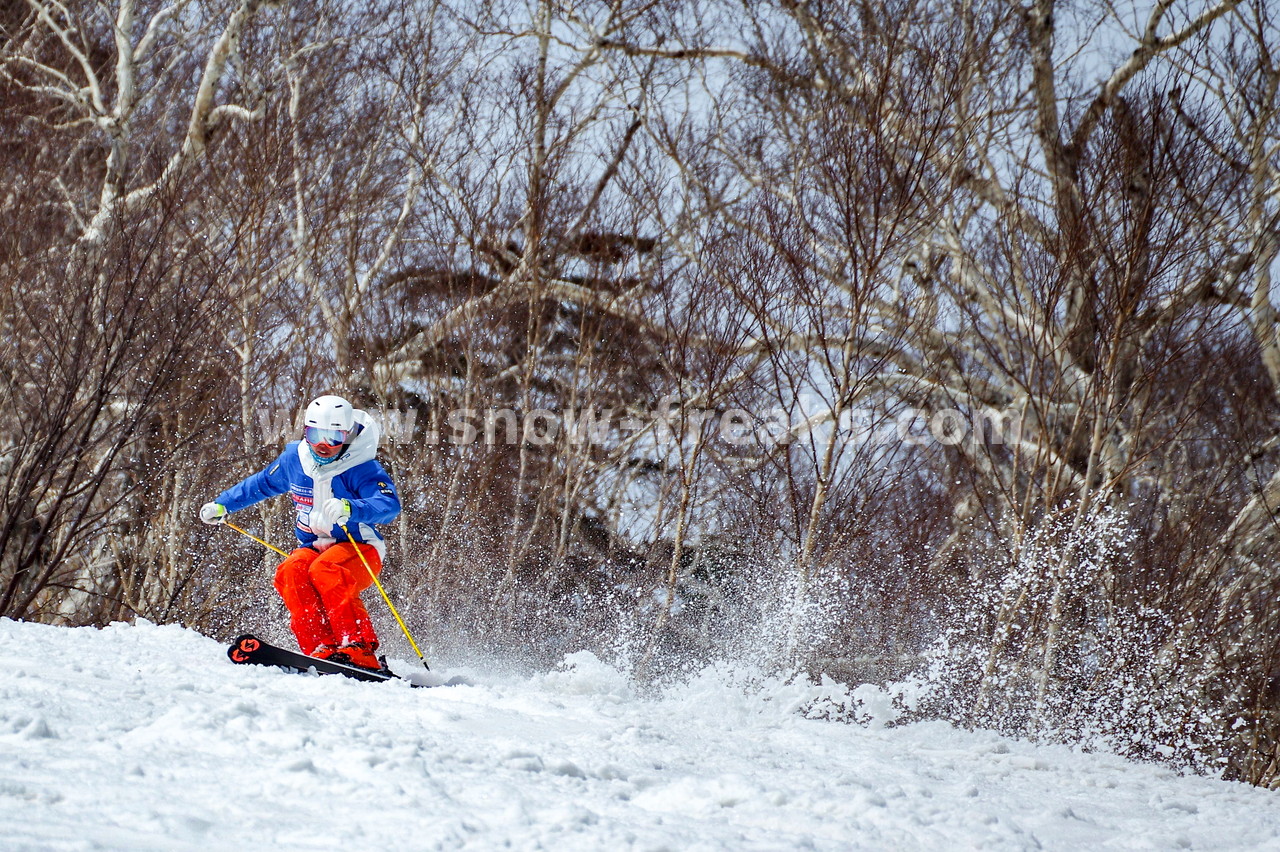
point(339, 492)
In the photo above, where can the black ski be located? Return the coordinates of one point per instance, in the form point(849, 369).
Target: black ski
point(250, 650)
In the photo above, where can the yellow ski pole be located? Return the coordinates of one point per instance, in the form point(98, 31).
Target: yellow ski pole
point(390, 605)
point(265, 544)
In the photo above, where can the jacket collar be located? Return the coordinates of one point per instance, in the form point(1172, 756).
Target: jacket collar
point(364, 448)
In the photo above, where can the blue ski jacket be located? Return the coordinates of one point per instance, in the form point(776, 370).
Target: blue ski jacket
point(356, 476)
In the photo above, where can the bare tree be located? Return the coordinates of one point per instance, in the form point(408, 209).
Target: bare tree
point(90, 377)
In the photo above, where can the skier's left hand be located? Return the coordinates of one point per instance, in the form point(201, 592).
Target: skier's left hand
point(338, 510)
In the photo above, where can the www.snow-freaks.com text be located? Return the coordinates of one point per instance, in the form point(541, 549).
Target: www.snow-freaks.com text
point(672, 420)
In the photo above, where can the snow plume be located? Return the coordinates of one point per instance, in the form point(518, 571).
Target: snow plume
point(1046, 644)
point(749, 643)
point(1047, 650)
point(776, 620)
point(759, 618)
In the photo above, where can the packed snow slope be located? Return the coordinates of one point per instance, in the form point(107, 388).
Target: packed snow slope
point(147, 737)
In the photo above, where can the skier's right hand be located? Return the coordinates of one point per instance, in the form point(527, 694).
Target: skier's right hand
point(213, 513)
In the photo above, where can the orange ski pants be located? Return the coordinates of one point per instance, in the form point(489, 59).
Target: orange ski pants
point(322, 592)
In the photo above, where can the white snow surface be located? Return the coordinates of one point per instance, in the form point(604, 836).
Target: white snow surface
point(147, 737)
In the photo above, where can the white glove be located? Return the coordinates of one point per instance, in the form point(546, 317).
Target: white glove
point(213, 513)
point(337, 510)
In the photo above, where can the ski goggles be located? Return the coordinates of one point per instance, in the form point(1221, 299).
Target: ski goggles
point(318, 437)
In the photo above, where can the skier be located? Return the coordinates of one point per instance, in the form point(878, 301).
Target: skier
point(337, 486)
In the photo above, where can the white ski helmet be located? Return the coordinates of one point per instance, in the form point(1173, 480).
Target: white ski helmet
point(330, 412)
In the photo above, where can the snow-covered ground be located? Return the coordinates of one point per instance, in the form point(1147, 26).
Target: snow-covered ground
point(147, 737)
